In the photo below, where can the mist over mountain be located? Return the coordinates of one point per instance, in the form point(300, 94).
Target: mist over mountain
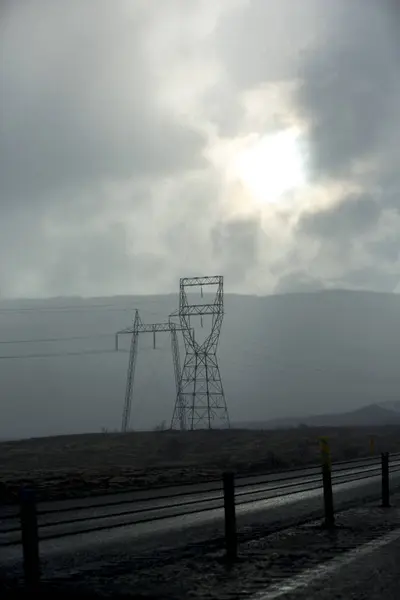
point(280, 356)
point(373, 415)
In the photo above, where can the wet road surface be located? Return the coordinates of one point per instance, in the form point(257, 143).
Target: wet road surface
point(370, 572)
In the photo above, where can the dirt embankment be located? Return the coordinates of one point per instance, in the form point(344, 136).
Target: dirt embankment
point(78, 465)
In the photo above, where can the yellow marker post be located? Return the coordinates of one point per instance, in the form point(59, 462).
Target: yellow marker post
point(372, 446)
point(325, 451)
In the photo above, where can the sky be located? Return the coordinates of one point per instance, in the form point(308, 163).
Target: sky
point(142, 141)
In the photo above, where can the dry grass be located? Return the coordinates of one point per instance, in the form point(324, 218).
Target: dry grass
point(78, 465)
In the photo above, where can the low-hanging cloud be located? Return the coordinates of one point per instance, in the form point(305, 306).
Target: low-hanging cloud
point(110, 117)
point(352, 217)
point(349, 89)
point(79, 103)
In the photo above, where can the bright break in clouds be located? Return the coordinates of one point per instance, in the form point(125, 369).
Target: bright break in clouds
point(142, 141)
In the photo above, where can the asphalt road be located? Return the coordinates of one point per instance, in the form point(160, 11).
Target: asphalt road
point(370, 572)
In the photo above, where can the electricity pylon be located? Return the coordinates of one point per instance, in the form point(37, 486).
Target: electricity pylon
point(137, 328)
point(200, 396)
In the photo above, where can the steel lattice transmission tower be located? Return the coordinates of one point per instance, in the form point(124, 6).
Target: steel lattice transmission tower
point(137, 328)
point(200, 395)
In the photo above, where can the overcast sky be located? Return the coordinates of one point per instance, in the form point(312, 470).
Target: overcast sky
point(145, 140)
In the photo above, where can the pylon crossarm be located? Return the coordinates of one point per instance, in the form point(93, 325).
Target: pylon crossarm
point(201, 309)
point(138, 328)
point(201, 281)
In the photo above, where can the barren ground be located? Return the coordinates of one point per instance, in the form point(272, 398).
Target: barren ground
point(79, 465)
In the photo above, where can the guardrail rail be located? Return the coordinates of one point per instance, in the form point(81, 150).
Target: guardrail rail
point(31, 521)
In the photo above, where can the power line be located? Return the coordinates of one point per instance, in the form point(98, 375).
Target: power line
point(58, 354)
point(58, 339)
point(109, 307)
point(71, 308)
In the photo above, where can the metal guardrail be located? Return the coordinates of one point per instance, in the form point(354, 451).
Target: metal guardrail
point(280, 481)
point(209, 499)
point(307, 474)
point(241, 480)
point(34, 521)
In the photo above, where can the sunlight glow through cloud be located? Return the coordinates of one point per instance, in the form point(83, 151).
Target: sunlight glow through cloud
point(271, 165)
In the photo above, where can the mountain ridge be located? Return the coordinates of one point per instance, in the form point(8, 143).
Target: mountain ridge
point(303, 354)
point(370, 415)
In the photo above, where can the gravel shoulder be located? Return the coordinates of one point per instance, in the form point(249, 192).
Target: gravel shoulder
point(370, 576)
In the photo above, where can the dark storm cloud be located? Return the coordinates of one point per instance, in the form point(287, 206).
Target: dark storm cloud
point(349, 88)
point(235, 246)
point(79, 104)
point(349, 95)
point(84, 139)
point(354, 215)
point(88, 263)
point(386, 249)
point(101, 159)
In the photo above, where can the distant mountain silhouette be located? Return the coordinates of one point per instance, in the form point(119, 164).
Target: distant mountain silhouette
point(393, 405)
point(287, 357)
point(370, 415)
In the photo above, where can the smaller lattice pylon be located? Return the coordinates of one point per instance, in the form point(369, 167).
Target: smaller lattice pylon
point(154, 328)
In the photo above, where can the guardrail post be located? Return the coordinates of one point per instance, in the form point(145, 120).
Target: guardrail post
point(230, 516)
point(327, 484)
point(30, 537)
point(385, 480)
